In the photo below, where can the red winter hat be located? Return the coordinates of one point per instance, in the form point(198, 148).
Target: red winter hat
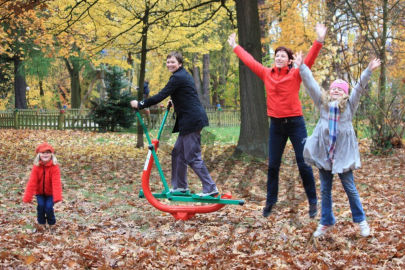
point(44, 147)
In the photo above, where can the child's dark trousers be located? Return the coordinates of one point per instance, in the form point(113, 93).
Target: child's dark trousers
point(45, 211)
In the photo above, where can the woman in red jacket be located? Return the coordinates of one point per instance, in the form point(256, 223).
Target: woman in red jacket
point(45, 184)
point(282, 83)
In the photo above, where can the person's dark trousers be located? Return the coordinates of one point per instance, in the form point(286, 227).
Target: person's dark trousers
point(187, 151)
point(45, 211)
point(280, 130)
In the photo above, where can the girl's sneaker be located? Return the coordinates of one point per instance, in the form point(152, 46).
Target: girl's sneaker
point(364, 229)
point(321, 230)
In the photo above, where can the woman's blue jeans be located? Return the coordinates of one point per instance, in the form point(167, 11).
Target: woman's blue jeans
point(45, 211)
point(281, 129)
point(327, 217)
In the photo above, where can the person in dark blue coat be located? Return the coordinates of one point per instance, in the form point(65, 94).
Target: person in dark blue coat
point(190, 120)
point(146, 89)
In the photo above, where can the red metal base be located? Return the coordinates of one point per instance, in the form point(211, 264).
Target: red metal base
point(179, 212)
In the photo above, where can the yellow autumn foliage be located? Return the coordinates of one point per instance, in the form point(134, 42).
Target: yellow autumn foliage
point(106, 30)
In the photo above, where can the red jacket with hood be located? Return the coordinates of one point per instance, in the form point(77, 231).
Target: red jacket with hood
point(44, 180)
point(282, 86)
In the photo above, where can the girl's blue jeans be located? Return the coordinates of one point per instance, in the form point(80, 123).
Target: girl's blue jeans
point(45, 211)
point(347, 180)
point(282, 129)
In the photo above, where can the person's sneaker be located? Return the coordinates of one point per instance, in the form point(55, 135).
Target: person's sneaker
point(321, 230)
point(212, 193)
point(313, 210)
point(173, 190)
point(267, 210)
point(364, 229)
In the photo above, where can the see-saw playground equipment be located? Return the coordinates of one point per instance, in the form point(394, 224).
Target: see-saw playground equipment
point(179, 212)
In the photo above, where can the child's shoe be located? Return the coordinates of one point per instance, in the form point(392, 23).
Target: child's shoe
point(321, 230)
point(364, 228)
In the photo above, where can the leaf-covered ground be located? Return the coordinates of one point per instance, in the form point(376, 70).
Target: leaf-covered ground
point(102, 224)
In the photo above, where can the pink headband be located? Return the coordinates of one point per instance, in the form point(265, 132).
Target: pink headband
point(340, 84)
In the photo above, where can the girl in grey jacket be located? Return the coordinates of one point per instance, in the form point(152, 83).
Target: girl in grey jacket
point(333, 147)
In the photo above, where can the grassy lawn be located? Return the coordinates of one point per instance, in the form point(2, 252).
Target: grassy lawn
point(228, 135)
point(209, 135)
point(222, 135)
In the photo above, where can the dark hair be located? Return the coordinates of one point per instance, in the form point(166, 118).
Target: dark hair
point(288, 51)
point(176, 55)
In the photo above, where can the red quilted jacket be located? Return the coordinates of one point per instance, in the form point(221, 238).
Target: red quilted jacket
point(44, 180)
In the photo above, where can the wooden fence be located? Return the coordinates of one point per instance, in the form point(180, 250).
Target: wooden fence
point(216, 118)
point(47, 119)
point(80, 119)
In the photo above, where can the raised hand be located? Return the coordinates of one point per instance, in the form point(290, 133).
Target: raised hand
point(320, 30)
point(298, 58)
point(375, 63)
point(134, 104)
point(231, 40)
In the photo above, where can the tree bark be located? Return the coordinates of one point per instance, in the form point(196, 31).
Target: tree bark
point(382, 55)
point(139, 141)
point(130, 74)
point(20, 85)
point(206, 80)
point(94, 76)
point(224, 67)
point(214, 89)
point(197, 77)
point(253, 138)
point(74, 68)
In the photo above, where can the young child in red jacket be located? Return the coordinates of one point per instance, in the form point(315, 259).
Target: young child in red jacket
point(45, 184)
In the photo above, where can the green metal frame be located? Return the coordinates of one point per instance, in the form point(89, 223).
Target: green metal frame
point(176, 196)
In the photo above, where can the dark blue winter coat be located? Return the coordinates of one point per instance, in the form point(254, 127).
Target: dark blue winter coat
point(146, 89)
point(190, 114)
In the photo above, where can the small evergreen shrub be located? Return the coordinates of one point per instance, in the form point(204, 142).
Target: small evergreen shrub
point(114, 110)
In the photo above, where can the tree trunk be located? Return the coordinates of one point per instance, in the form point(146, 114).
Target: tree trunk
point(20, 85)
point(224, 67)
point(41, 89)
point(382, 55)
point(75, 90)
point(130, 74)
point(75, 98)
point(42, 93)
point(214, 89)
point(139, 141)
point(253, 138)
point(332, 7)
point(206, 80)
point(197, 77)
point(95, 75)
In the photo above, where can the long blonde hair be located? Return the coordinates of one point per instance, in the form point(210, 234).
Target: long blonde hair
point(342, 101)
point(37, 159)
